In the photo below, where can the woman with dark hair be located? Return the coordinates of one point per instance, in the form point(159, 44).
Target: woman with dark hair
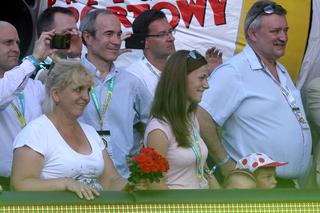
point(173, 130)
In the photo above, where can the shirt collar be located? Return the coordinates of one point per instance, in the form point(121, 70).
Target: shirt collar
point(96, 73)
point(254, 60)
point(144, 59)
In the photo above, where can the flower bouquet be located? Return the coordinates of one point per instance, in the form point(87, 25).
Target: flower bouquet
point(147, 166)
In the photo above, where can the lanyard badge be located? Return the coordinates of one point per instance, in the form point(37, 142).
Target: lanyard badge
point(20, 112)
point(295, 109)
point(289, 98)
point(105, 136)
point(101, 110)
point(196, 148)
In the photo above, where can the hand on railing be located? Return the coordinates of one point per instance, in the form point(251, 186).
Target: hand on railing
point(81, 189)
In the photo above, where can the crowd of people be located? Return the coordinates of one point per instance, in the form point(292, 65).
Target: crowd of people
point(70, 123)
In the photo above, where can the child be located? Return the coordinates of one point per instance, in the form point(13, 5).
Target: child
point(240, 179)
point(263, 168)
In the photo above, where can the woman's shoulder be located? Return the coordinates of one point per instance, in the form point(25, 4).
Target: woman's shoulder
point(37, 130)
point(156, 122)
point(38, 124)
point(159, 124)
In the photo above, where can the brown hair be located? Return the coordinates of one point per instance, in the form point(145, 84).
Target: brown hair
point(170, 101)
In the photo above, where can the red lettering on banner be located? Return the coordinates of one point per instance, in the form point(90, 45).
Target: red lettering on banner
point(219, 11)
point(173, 10)
point(75, 13)
point(137, 9)
point(51, 2)
point(91, 2)
point(84, 11)
point(121, 14)
point(188, 10)
point(69, 1)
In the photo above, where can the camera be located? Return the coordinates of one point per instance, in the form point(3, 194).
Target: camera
point(61, 41)
point(135, 41)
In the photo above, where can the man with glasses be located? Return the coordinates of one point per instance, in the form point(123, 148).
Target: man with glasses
point(118, 98)
point(253, 99)
point(159, 44)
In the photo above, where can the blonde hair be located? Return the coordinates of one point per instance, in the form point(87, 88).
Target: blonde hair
point(63, 73)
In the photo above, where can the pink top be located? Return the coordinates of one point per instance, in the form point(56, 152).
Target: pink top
point(182, 161)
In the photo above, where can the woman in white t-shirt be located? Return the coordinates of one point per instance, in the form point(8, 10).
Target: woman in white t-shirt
point(55, 152)
point(174, 129)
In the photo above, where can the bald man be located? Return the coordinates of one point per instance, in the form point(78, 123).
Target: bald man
point(20, 96)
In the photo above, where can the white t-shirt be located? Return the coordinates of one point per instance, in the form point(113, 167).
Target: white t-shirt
point(60, 160)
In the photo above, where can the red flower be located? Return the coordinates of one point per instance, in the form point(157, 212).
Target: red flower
point(148, 164)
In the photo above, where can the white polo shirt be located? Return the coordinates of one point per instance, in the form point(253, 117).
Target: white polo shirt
point(254, 114)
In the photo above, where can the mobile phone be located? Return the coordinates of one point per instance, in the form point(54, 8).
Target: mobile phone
point(61, 41)
point(135, 41)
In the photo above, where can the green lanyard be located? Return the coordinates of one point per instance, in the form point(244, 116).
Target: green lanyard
point(196, 148)
point(102, 110)
point(20, 114)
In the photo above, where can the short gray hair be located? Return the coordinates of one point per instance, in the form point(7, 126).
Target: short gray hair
point(88, 23)
point(253, 17)
point(62, 74)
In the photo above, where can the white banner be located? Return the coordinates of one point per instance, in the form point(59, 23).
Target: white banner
point(199, 24)
point(202, 24)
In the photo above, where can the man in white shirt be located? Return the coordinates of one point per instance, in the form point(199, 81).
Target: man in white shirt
point(20, 96)
point(159, 44)
point(60, 19)
point(158, 38)
point(253, 99)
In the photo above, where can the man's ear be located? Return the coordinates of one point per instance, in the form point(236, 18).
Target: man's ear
point(251, 34)
point(87, 38)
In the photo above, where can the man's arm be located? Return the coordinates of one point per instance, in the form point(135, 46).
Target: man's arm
point(15, 79)
point(208, 131)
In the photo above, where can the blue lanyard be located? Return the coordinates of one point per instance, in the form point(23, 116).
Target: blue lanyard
point(102, 110)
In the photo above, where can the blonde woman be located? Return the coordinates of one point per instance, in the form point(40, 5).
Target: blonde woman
point(55, 152)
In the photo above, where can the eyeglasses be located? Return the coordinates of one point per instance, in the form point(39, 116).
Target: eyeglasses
point(163, 34)
point(270, 9)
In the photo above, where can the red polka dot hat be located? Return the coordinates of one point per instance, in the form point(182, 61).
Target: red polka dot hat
point(254, 161)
